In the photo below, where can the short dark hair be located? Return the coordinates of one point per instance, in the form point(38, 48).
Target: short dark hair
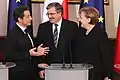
point(57, 6)
point(19, 12)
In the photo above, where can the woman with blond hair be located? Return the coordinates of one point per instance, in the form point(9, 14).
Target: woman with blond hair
point(93, 46)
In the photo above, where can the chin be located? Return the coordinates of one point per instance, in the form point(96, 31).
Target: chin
point(52, 21)
point(82, 25)
point(29, 24)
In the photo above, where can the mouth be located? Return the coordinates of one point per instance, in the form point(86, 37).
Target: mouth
point(51, 19)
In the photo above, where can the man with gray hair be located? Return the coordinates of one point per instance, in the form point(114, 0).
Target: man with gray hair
point(57, 34)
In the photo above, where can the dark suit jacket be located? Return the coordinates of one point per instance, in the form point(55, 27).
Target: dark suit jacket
point(95, 49)
point(17, 51)
point(66, 37)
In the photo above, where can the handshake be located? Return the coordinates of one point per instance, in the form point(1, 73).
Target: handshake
point(39, 51)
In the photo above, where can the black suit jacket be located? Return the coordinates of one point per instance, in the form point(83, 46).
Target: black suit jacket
point(66, 37)
point(94, 48)
point(17, 51)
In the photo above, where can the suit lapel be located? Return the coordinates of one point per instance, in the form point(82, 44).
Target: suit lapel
point(50, 33)
point(22, 34)
point(61, 39)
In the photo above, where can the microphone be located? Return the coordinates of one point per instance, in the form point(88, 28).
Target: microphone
point(70, 54)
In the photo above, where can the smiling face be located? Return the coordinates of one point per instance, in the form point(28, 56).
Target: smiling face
point(88, 16)
point(53, 15)
point(26, 20)
point(83, 19)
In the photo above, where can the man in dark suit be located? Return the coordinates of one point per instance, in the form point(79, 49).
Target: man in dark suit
point(58, 34)
point(20, 47)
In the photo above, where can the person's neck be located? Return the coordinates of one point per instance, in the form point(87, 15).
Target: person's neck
point(59, 20)
point(89, 27)
point(21, 24)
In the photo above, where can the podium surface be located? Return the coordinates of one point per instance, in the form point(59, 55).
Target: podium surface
point(4, 70)
point(78, 72)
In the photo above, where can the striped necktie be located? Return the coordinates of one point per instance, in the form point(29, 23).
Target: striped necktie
point(55, 35)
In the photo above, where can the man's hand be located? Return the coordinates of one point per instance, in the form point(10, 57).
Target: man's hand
point(42, 73)
point(43, 50)
point(33, 53)
point(106, 78)
point(40, 51)
point(43, 65)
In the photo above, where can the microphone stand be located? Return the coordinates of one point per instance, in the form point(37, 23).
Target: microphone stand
point(63, 66)
point(63, 59)
point(71, 65)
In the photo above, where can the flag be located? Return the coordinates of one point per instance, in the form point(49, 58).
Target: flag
point(12, 5)
point(64, 3)
point(99, 5)
point(117, 51)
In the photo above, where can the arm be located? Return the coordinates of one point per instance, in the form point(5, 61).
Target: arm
point(41, 51)
point(39, 38)
point(13, 53)
point(106, 50)
point(74, 35)
point(40, 48)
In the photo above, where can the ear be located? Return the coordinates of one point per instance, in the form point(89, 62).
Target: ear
point(19, 19)
point(60, 13)
point(89, 20)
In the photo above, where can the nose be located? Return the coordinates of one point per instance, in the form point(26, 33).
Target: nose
point(79, 19)
point(49, 16)
point(31, 18)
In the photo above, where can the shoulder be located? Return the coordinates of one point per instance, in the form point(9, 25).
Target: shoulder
point(69, 21)
point(70, 24)
point(14, 33)
point(101, 32)
point(14, 30)
point(45, 23)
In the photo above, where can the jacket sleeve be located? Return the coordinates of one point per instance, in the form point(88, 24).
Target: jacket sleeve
point(12, 53)
point(107, 51)
point(38, 41)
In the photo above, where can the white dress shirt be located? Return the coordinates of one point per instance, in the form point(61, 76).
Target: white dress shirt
point(58, 27)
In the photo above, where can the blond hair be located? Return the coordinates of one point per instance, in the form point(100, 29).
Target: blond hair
point(90, 12)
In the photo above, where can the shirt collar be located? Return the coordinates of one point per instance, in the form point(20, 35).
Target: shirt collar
point(59, 23)
point(21, 27)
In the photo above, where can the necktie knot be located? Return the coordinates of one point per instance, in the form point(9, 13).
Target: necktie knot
point(56, 25)
point(26, 31)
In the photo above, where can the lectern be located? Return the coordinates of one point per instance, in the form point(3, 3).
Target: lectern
point(4, 70)
point(78, 72)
